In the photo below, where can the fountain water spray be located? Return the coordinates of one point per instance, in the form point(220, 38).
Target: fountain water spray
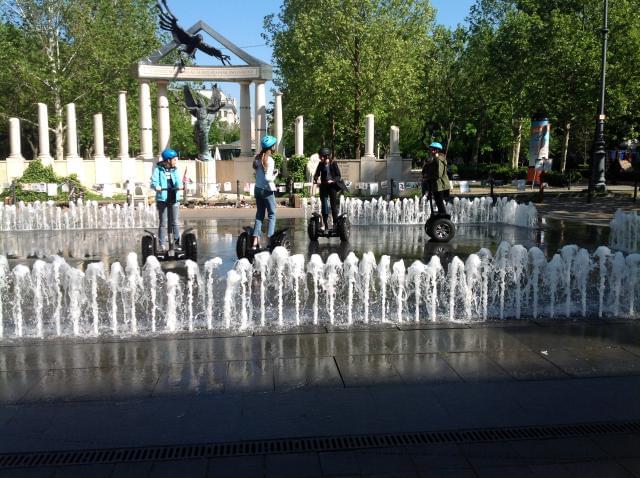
point(351, 278)
point(367, 266)
point(398, 286)
point(209, 271)
point(95, 272)
point(277, 265)
point(261, 264)
point(298, 274)
point(152, 277)
point(384, 274)
point(316, 270)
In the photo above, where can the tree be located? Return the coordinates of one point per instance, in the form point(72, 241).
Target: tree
point(78, 51)
point(339, 59)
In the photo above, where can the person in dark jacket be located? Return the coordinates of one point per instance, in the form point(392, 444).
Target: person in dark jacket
point(434, 176)
point(328, 175)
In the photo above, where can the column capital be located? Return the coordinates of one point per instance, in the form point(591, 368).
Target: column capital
point(122, 92)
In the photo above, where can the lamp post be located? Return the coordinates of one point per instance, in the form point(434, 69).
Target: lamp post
point(598, 157)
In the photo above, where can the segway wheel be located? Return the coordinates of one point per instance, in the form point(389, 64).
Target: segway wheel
point(147, 248)
point(282, 241)
point(441, 229)
point(313, 227)
point(191, 246)
point(242, 245)
point(427, 227)
point(344, 228)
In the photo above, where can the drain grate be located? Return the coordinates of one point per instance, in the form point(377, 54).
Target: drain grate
point(314, 444)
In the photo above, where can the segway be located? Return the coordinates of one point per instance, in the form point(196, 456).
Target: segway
point(439, 226)
point(188, 244)
point(341, 229)
point(243, 244)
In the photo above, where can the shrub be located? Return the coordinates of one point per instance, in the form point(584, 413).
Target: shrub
point(36, 172)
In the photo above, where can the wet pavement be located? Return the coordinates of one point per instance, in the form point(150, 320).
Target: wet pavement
point(62, 395)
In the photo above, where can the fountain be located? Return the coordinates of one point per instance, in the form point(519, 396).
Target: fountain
point(46, 216)
point(407, 211)
point(53, 299)
point(625, 231)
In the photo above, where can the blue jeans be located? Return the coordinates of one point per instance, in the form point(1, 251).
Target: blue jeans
point(164, 211)
point(265, 201)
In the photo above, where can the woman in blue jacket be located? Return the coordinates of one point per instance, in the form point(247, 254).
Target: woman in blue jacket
point(165, 180)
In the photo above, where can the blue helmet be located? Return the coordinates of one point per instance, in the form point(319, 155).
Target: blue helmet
point(268, 142)
point(168, 154)
point(436, 145)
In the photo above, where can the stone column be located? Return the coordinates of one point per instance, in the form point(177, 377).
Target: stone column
point(123, 126)
point(102, 170)
point(368, 141)
point(146, 122)
point(299, 150)
point(15, 161)
point(277, 119)
point(245, 119)
point(164, 126)
point(146, 132)
point(127, 164)
point(98, 136)
point(74, 161)
point(261, 112)
point(369, 168)
point(44, 153)
point(394, 161)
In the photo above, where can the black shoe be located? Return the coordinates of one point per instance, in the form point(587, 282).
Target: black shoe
point(176, 247)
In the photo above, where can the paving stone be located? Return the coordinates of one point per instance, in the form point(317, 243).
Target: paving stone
point(339, 463)
point(367, 370)
point(475, 367)
point(172, 469)
point(195, 378)
point(236, 466)
point(301, 465)
point(295, 373)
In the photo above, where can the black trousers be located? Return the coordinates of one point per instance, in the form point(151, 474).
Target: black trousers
point(329, 192)
point(438, 197)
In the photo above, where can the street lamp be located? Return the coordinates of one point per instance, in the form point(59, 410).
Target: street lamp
point(599, 153)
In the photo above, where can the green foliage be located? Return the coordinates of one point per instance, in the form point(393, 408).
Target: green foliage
point(36, 172)
point(341, 59)
point(278, 159)
point(297, 168)
point(79, 51)
point(556, 178)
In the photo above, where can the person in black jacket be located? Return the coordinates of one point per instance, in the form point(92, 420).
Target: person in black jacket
point(331, 184)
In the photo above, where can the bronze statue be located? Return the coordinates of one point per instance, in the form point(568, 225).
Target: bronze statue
point(188, 43)
point(205, 113)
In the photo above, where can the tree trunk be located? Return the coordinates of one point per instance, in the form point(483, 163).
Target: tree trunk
point(565, 147)
point(333, 135)
point(476, 148)
point(515, 146)
point(449, 135)
point(59, 131)
point(356, 102)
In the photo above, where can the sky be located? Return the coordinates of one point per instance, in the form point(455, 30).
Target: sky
point(241, 22)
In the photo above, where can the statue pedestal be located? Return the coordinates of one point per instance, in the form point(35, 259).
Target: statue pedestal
point(206, 179)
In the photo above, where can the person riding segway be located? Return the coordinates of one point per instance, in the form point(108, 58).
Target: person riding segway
point(435, 183)
point(265, 188)
point(166, 182)
point(331, 185)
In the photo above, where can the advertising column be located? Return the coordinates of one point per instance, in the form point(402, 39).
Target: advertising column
point(539, 144)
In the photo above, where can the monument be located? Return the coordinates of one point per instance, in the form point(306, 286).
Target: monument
point(205, 113)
